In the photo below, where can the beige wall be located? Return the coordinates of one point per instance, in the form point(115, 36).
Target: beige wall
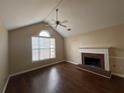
point(20, 46)
point(108, 37)
point(3, 57)
point(20, 54)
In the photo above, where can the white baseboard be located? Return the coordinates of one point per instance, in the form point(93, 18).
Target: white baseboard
point(5, 86)
point(18, 73)
point(11, 75)
point(119, 75)
point(72, 62)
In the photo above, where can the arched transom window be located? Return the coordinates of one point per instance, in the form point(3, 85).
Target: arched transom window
point(43, 46)
point(44, 34)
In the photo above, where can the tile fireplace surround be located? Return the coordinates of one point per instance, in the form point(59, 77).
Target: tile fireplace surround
point(98, 50)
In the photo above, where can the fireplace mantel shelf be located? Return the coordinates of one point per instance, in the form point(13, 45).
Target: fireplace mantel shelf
point(94, 47)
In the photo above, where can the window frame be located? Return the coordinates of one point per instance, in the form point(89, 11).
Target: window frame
point(33, 61)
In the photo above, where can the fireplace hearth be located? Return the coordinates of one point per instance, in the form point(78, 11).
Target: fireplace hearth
point(95, 60)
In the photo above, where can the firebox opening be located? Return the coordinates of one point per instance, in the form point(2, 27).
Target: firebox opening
point(92, 61)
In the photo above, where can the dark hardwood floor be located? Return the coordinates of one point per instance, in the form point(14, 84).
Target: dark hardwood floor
point(63, 78)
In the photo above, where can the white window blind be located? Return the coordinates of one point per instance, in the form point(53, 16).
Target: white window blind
point(43, 48)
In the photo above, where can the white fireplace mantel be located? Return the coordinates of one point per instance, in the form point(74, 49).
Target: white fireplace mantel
point(98, 50)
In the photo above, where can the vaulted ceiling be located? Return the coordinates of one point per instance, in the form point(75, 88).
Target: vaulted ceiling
point(82, 15)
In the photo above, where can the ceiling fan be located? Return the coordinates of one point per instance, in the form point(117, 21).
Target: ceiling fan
point(57, 22)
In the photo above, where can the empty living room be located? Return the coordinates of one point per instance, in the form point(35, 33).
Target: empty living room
point(61, 46)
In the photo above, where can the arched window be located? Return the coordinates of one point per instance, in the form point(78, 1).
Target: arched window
point(44, 33)
point(43, 46)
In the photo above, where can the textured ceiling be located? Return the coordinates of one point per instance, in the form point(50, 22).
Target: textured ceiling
point(82, 15)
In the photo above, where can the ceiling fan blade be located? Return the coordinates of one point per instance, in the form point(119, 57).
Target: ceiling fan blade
point(63, 25)
point(65, 21)
point(53, 20)
point(53, 24)
point(46, 25)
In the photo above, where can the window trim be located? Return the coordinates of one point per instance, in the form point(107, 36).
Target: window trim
point(39, 54)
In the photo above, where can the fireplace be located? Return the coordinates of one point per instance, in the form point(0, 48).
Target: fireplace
point(93, 60)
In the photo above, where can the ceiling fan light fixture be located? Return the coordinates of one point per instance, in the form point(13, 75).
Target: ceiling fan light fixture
point(57, 9)
point(69, 29)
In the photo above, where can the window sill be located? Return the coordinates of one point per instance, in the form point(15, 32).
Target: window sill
point(42, 60)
